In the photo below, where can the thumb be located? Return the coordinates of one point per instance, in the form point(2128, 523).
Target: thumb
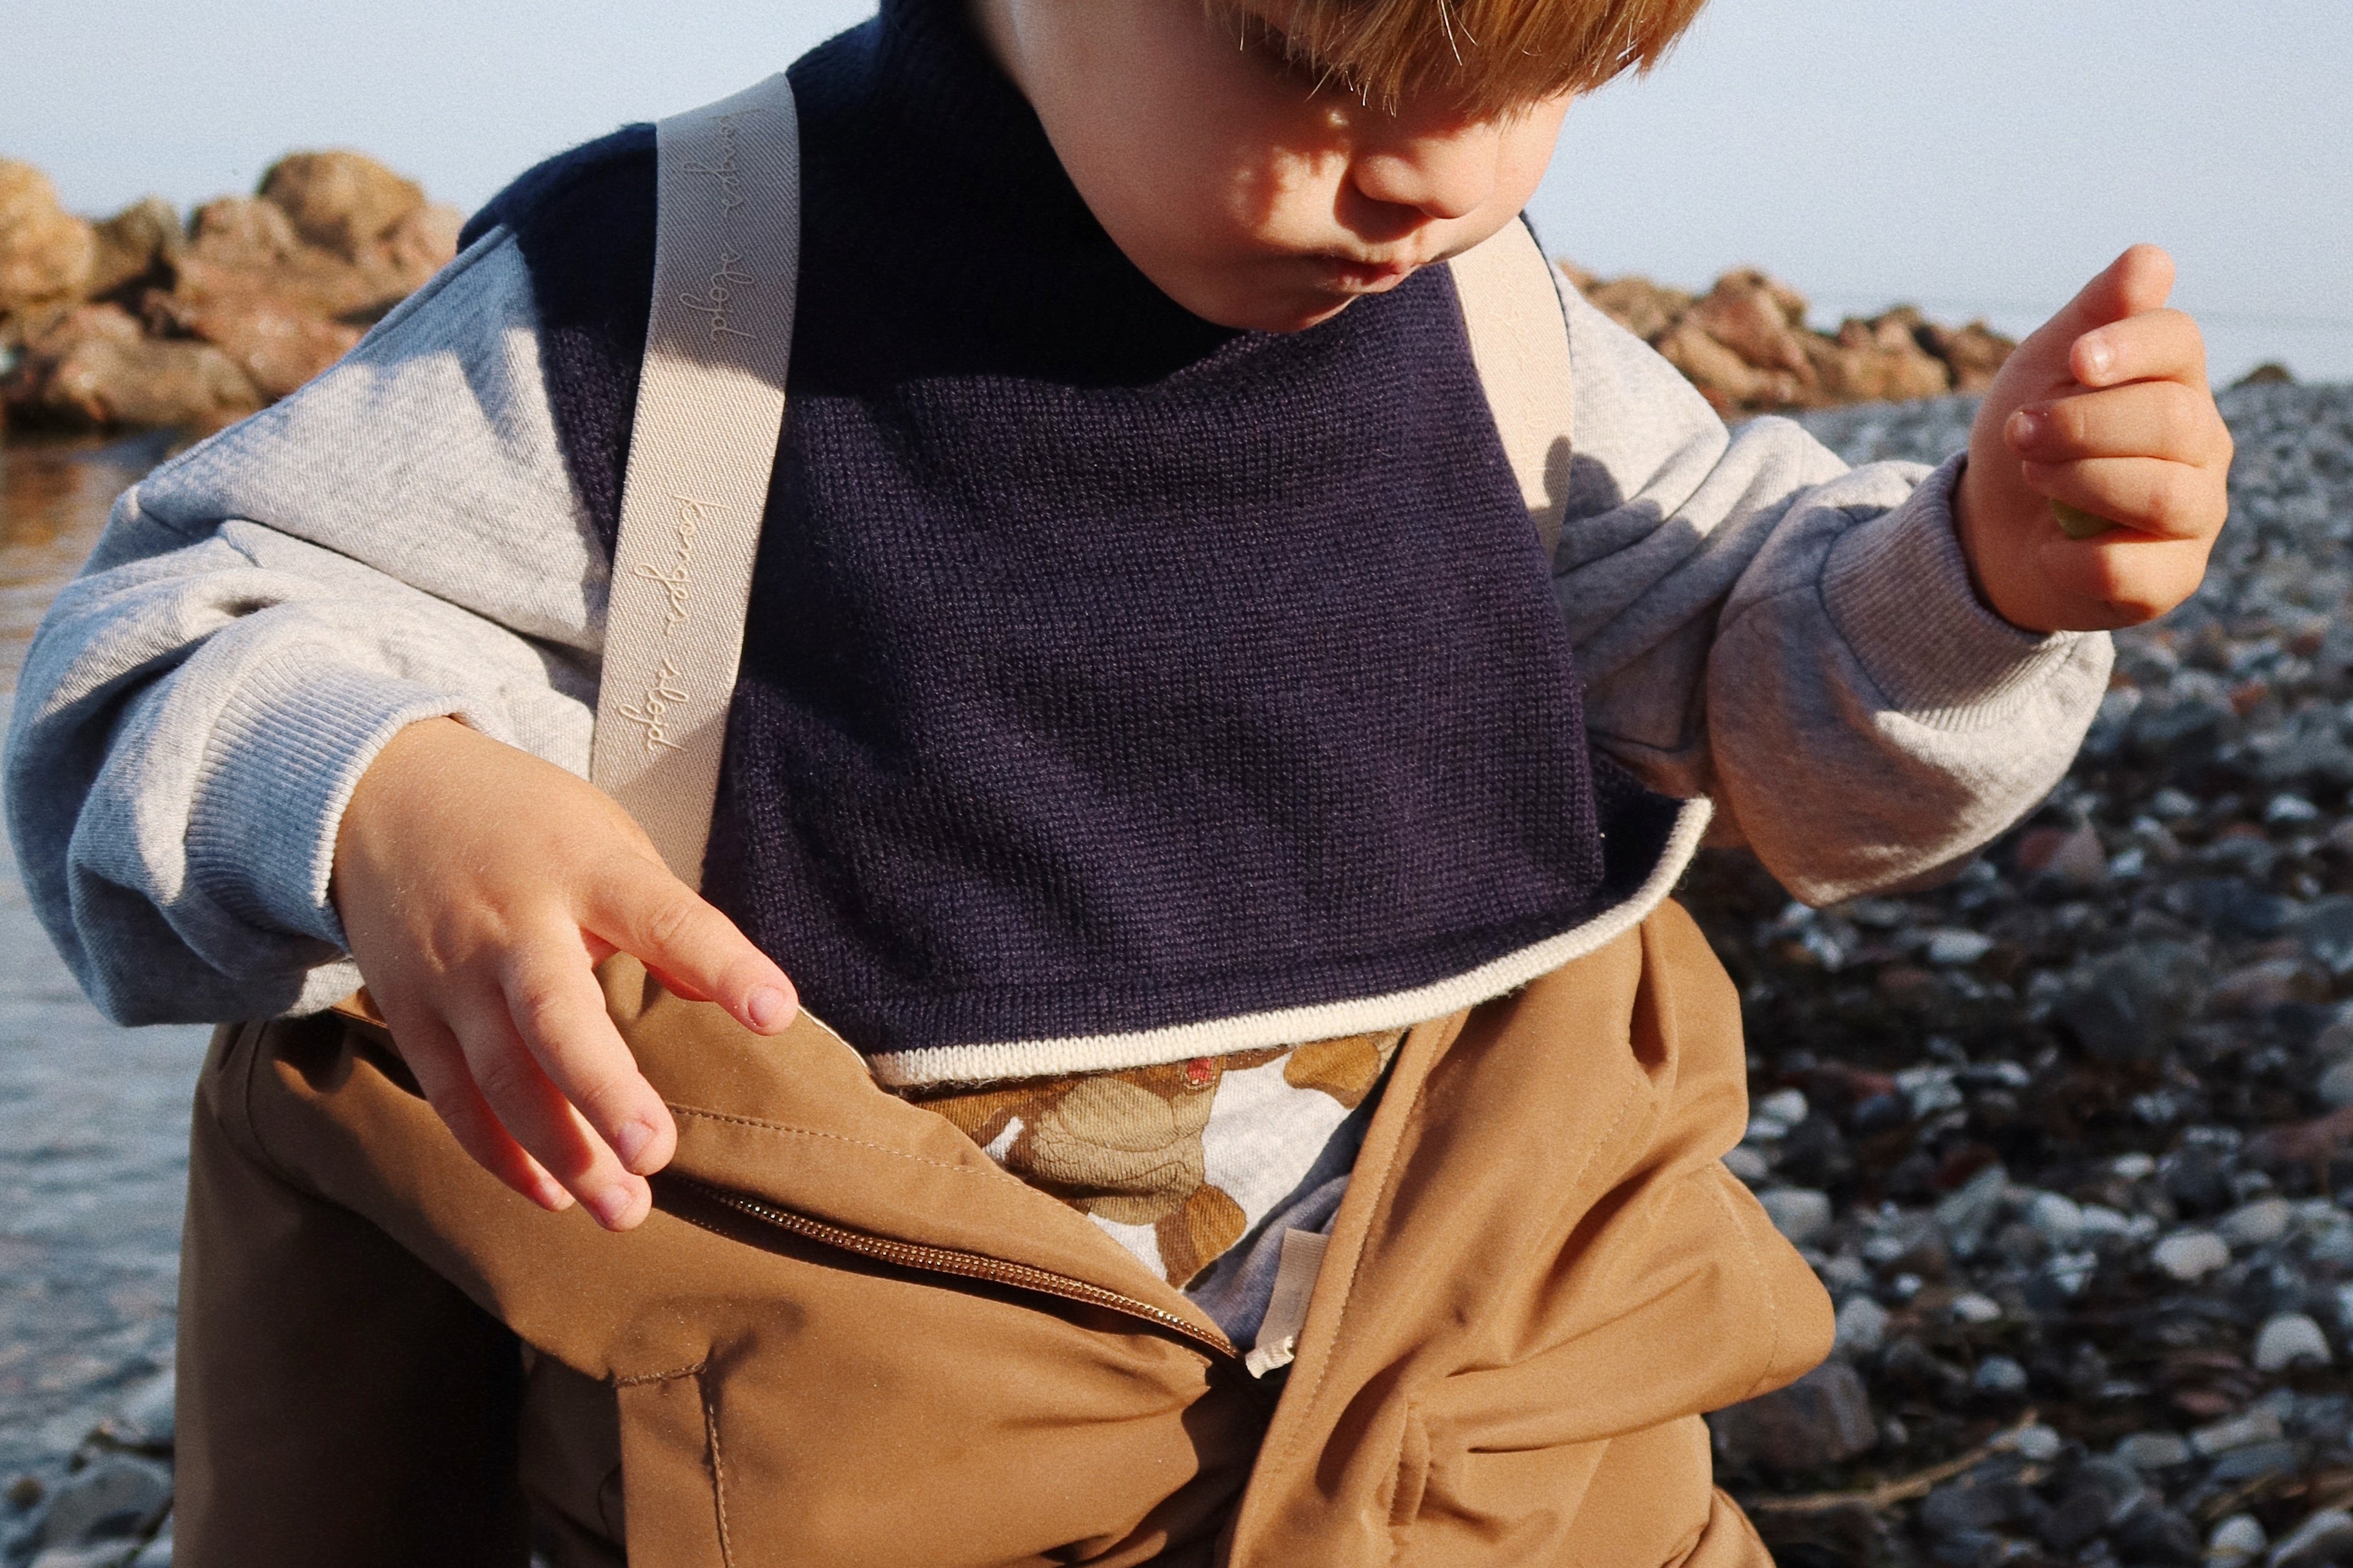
point(2137, 282)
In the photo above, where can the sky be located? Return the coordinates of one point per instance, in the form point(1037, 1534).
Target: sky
point(1979, 159)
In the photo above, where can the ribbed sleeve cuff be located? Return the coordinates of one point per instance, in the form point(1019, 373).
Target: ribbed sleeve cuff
point(280, 768)
point(1898, 589)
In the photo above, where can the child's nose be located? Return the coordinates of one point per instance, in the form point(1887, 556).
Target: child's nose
point(1443, 174)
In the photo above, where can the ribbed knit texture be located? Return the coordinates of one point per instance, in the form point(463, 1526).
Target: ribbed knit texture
point(1106, 669)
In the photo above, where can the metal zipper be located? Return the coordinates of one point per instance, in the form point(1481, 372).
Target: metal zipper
point(963, 1265)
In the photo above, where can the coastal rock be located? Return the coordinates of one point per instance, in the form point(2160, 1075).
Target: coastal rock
point(343, 203)
point(137, 247)
point(45, 252)
point(1746, 346)
point(95, 369)
point(254, 298)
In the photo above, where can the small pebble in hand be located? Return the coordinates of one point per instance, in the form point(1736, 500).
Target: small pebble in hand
point(2077, 523)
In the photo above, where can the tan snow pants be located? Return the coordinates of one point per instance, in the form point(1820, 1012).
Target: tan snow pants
point(845, 1336)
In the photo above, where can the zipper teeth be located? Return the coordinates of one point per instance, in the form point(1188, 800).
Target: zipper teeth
point(964, 1265)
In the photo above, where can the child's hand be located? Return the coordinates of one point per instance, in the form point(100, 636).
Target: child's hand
point(2105, 408)
point(480, 887)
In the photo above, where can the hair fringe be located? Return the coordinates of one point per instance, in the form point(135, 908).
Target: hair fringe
point(1492, 55)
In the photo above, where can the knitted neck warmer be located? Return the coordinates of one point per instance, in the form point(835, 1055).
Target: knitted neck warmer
point(1118, 687)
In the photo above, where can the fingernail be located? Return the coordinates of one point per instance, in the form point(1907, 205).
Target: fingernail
point(770, 1008)
point(553, 1198)
point(611, 1206)
point(2098, 356)
point(2025, 428)
point(631, 1141)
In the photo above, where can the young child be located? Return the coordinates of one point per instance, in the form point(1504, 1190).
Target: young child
point(1164, 752)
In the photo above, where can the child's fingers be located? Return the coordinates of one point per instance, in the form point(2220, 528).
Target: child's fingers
point(433, 1057)
point(642, 910)
point(2170, 501)
point(537, 1116)
point(2155, 345)
point(2139, 280)
point(2145, 419)
point(560, 1014)
point(2134, 577)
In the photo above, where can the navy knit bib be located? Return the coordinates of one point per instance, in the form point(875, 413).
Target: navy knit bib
point(1116, 686)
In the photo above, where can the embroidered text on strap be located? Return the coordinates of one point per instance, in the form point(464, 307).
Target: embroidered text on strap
point(710, 406)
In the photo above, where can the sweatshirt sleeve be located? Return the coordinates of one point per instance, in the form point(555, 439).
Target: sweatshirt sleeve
point(397, 541)
point(1797, 639)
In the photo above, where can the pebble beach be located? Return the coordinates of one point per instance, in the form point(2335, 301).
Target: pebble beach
point(2069, 1140)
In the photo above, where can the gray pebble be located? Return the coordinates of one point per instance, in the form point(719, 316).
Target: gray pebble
point(2153, 1451)
point(2290, 1338)
point(2255, 1224)
point(1800, 1213)
point(2191, 1254)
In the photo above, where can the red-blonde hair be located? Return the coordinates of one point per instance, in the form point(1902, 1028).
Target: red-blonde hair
point(1490, 55)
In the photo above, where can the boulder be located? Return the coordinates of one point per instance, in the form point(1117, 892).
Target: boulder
point(1758, 318)
point(1973, 354)
point(45, 252)
point(137, 245)
point(1643, 307)
point(345, 203)
point(95, 369)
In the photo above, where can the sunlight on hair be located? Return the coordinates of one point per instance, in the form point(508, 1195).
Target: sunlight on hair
point(1492, 55)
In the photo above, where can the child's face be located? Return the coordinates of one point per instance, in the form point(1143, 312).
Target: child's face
point(1252, 195)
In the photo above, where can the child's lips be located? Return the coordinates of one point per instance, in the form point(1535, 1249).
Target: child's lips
point(1351, 275)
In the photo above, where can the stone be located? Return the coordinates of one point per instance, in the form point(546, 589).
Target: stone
point(2335, 1085)
point(1758, 318)
point(114, 1497)
point(2257, 1224)
point(2156, 1536)
point(106, 1554)
point(2259, 988)
point(1786, 1106)
point(2153, 1451)
point(2057, 1219)
point(2321, 1538)
point(1967, 1211)
point(343, 203)
point(2221, 1436)
point(45, 252)
point(2100, 1492)
point(1861, 1326)
point(2241, 1535)
point(2290, 1340)
point(2067, 857)
point(145, 1420)
point(1974, 354)
point(95, 371)
point(1998, 1374)
point(2255, 1461)
point(1800, 1214)
point(1985, 1498)
point(2038, 1444)
point(2191, 1254)
point(1821, 1419)
point(1952, 947)
point(1971, 1306)
point(1643, 307)
point(1748, 1165)
point(137, 245)
point(157, 1554)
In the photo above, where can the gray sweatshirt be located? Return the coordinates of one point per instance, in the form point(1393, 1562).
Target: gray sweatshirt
point(1756, 623)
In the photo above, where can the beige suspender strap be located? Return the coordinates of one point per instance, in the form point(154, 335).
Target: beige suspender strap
point(1519, 342)
point(710, 403)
